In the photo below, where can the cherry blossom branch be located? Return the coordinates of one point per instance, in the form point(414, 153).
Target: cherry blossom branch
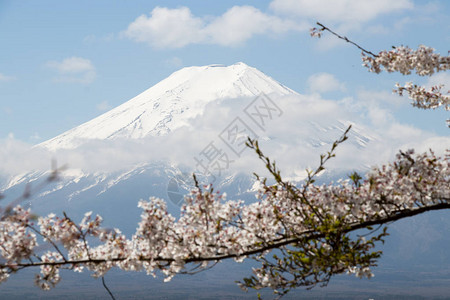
point(425, 98)
point(305, 237)
point(317, 32)
point(424, 61)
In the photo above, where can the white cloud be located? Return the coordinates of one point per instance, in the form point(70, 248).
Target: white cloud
point(407, 133)
point(103, 106)
point(378, 29)
point(72, 65)
point(324, 82)
point(18, 157)
point(378, 115)
point(4, 77)
point(343, 16)
point(340, 11)
point(175, 28)
point(35, 137)
point(74, 69)
point(381, 97)
point(166, 28)
point(93, 38)
point(8, 110)
point(374, 108)
point(439, 144)
point(174, 62)
point(403, 22)
point(438, 79)
point(240, 23)
point(90, 38)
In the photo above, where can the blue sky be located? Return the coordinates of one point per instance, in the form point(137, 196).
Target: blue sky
point(65, 62)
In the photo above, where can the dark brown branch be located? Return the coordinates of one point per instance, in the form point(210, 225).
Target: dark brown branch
point(49, 240)
point(323, 28)
point(306, 236)
point(107, 289)
point(82, 234)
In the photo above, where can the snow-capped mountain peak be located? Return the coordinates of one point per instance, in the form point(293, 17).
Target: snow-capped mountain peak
point(171, 102)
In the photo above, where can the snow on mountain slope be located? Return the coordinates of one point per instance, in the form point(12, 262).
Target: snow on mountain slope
point(171, 103)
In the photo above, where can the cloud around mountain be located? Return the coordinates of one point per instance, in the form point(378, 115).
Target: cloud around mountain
point(295, 139)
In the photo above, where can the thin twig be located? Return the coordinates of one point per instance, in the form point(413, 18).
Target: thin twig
point(323, 27)
point(107, 289)
point(49, 240)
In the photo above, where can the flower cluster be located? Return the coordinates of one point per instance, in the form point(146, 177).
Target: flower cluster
point(17, 242)
point(424, 61)
point(316, 32)
point(424, 98)
point(49, 276)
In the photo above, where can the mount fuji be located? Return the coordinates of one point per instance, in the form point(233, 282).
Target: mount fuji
point(170, 104)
